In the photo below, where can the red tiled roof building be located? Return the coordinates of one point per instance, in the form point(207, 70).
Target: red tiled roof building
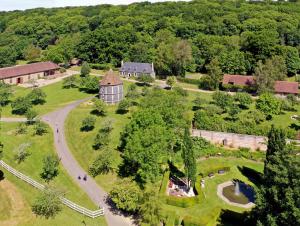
point(239, 80)
point(23, 73)
point(285, 87)
point(280, 87)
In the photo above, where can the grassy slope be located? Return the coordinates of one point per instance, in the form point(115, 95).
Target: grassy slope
point(57, 97)
point(40, 146)
point(65, 217)
point(80, 143)
point(5, 205)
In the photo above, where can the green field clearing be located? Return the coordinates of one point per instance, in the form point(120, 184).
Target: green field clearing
point(40, 146)
point(80, 143)
point(5, 205)
point(32, 166)
point(57, 97)
point(65, 217)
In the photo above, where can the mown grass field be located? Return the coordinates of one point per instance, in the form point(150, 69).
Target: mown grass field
point(57, 97)
point(80, 143)
point(40, 146)
point(26, 218)
point(5, 205)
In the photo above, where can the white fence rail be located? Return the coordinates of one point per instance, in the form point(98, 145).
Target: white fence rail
point(70, 204)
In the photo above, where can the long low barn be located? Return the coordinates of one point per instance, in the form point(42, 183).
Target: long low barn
point(24, 73)
point(280, 87)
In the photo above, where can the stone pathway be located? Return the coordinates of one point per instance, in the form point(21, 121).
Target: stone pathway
point(13, 120)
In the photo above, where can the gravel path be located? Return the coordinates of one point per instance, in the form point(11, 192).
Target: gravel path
point(56, 120)
point(13, 120)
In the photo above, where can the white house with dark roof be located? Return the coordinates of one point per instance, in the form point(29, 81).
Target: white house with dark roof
point(134, 69)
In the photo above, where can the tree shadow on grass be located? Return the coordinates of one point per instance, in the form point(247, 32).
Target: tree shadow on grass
point(231, 218)
point(175, 171)
point(254, 176)
point(1, 175)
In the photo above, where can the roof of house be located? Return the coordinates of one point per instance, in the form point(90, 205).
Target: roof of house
point(134, 67)
point(242, 80)
point(286, 87)
point(10, 72)
point(111, 79)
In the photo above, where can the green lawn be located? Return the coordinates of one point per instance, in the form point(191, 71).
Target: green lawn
point(212, 202)
point(5, 205)
point(40, 146)
point(65, 217)
point(81, 143)
point(57, 97)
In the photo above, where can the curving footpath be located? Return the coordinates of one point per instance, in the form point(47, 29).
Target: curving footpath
point(56, 120)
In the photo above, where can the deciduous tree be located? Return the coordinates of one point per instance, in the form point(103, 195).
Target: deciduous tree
point(99, 107)
point(21, 105)
point(214, 73)
point(50, 168)
point(37, 96)
point(85, 69)
point(171, 81)
point(88, 123)
point(126, 195)
point(48, 203)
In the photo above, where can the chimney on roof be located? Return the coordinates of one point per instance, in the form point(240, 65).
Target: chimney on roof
point(152, 66)
point(122, 63)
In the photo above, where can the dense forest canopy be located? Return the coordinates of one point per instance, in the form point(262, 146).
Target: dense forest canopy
point(176, 36)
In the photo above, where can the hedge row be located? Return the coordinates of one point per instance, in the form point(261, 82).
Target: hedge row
point(101, 66)
point(188, 80)
point(214, 169)
point(202, 221)
point(171, 219)
point(164, 183)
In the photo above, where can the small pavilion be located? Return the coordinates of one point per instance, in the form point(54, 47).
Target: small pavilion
point(111, 88)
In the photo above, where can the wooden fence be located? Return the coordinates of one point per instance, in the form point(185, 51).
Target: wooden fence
point(70, 204)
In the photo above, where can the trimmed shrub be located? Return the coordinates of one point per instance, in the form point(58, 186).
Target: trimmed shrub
point(164, 183)
point(182, 202)
point(202, 221)
point(170, 219)
point(214, 169)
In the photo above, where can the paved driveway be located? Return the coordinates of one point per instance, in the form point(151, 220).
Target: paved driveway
point(56, 120)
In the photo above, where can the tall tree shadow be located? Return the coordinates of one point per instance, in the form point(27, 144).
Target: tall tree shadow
point(1, 175)
point(254, 176)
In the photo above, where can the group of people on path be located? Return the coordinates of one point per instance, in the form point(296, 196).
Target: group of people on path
point(79, 177)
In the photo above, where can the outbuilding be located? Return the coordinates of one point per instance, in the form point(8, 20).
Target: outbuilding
point(23, 73)
point(111, 88)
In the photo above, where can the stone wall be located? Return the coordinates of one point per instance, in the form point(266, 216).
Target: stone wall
point(232, 139)
point(25, 78)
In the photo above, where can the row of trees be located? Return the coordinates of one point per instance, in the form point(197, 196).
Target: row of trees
point(22, 105)
point(176, 36)
point(235, 114)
